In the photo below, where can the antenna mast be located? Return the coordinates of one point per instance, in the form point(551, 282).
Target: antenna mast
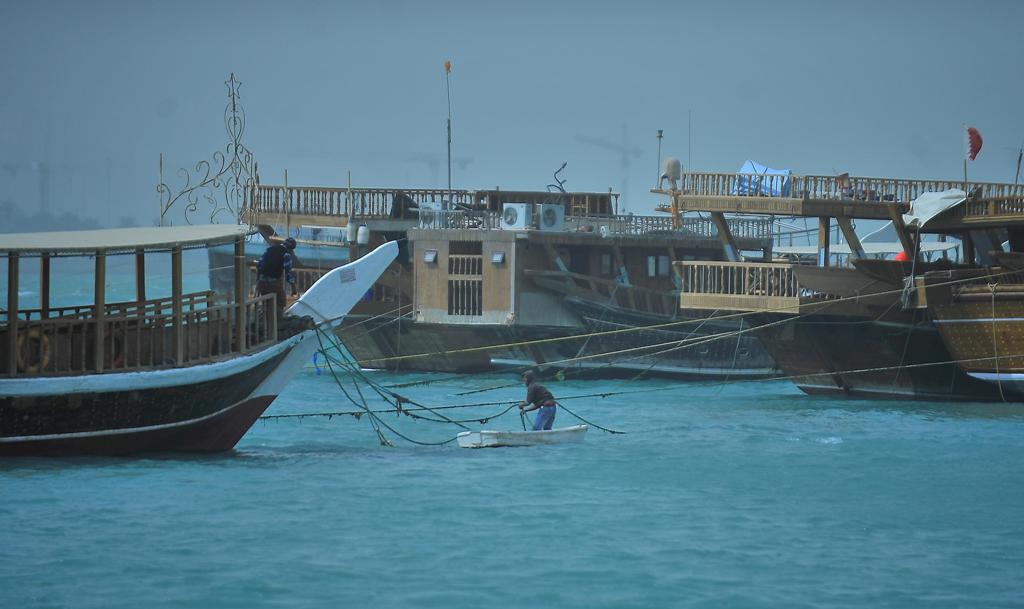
point(448, 88)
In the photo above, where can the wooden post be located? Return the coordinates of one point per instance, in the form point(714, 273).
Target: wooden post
point(824, 240)
point(44, 285)
point(241, 273)
point(674, 198)
point(732, 253)
point(140, 276)
point(901, 230)
point(288, 207)
point(856, 249)
point(12, 313)
point(100, 308)
point(178, 328)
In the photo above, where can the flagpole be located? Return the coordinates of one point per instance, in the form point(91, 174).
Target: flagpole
point(447, 86)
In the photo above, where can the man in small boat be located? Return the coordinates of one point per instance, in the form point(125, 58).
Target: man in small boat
point(275, 264)
point(540, 399)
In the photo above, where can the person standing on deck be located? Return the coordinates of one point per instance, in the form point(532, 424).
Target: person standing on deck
point(540, 399)
point(274, 265)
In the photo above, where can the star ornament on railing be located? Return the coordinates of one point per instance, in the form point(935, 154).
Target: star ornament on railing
point(233, 86)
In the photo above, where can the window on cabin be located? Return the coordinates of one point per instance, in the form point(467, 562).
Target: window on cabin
point(606, 264)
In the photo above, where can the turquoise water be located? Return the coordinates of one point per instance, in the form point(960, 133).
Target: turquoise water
point(749, 495)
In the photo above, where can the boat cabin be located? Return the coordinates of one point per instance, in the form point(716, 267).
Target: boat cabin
point(47, 330)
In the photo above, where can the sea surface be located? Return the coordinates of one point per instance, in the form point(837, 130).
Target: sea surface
point(739, 495)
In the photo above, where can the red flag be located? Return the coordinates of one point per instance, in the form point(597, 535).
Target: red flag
point(973, 143)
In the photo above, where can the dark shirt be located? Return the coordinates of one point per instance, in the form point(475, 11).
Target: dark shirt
point(275, 260)
point(538, 395)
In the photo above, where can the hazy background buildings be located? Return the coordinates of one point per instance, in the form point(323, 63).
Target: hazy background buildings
point(92, 92)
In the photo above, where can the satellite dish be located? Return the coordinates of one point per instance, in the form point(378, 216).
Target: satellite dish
point(671, 170)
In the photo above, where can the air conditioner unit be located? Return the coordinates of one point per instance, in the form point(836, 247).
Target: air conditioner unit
point(431, 215)
point(551, 216)
point(516, 216)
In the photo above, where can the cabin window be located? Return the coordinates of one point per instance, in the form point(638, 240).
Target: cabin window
point(465, 278)
point(606, 264)
point(657, 266)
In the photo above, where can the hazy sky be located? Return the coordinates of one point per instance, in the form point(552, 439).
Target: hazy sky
point(93, 92)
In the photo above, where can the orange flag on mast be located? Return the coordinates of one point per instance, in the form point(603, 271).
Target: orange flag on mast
point(973, 143)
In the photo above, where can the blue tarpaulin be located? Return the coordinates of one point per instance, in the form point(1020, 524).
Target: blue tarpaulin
point(768, 182)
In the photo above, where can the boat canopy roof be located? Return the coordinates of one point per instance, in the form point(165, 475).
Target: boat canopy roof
point(121, 239)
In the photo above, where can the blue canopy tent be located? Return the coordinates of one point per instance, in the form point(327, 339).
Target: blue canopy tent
point(767, 182)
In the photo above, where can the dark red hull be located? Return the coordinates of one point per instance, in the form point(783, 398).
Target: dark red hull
point(216, 433)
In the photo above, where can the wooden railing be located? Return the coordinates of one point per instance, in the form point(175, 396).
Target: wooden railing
point(459, 220)
point(132, 308)
point(630, 225)
point(140, 338)
point(832, 187)
point(742, 286)
point(993, 208)
point(323, 201)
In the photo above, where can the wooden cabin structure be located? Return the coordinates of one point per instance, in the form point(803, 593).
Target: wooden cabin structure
point(141, 334)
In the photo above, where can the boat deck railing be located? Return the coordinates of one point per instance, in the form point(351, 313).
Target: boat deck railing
point(342, 202)
point(758, 229)
point(263, 200)
point(137, 336)
point(742, 286)
point(850, 188)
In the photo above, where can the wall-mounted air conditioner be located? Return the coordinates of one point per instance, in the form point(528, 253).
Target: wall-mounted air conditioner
point(431, 215)
point(551, 216)
point(516, 216)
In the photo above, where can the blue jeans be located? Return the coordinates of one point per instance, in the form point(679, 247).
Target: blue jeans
point(545, 417)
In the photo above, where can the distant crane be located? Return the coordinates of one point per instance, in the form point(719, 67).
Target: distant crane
point(626, 153)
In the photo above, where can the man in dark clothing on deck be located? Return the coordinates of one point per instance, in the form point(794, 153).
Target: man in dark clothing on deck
point(540, 399)
point(273, 266)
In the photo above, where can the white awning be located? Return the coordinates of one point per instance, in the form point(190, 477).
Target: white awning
point(121, 239)
point(930, 204)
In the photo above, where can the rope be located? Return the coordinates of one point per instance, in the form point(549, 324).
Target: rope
point(611, 431)
point(995, 345)
point(782, 309)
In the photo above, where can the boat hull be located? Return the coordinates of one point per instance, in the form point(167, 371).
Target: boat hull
point(495, 439)
point(898, 355)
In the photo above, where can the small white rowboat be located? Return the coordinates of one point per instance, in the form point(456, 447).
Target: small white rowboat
point(488, 439)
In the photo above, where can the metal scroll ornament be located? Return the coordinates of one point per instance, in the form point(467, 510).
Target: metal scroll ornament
point(216, 186)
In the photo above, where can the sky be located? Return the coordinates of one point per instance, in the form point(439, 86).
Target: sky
point(93, 92)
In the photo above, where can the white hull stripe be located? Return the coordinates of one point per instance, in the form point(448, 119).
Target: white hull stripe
point(1002, 377)
point(115, 432)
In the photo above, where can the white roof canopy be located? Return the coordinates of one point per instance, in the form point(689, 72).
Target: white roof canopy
point(121, 239)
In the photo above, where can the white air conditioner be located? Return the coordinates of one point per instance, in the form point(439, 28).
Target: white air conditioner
point(430, 214)
point(516, 216)
point(551, 216)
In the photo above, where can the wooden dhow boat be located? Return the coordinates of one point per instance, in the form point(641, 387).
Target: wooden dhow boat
point(495, 279)
point(189, 372)
point(866, 330)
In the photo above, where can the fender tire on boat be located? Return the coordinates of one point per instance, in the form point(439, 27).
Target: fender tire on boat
point(25, 357)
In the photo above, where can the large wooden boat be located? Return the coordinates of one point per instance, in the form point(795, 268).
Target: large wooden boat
point(187, 372)
point(521, 278)
point(848, 331)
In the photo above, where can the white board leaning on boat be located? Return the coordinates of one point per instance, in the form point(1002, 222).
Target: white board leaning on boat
point(492, 439)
